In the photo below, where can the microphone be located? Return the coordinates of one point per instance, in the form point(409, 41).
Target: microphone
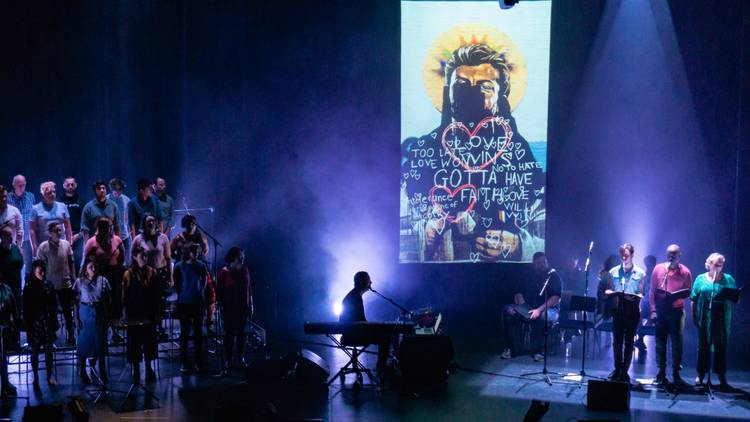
point(372, 290)
point(591, 247)
point(552, 271)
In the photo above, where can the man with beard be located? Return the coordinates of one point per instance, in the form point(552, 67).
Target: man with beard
point(483, 159)
point(166, 204)
point(526, 299)
point(75, 206)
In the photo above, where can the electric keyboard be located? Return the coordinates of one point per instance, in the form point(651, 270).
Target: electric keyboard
point(359, 328)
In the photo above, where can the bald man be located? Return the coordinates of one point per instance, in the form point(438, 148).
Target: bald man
point(669, 315)
point(24, 201)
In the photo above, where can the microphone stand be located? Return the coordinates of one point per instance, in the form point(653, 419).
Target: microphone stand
point(208, 234)
point(404, 311)
point(585, 315)
point(710, 344)
point(545, 372)
point(217, 245)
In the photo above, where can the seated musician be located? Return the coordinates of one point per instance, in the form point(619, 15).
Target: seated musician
point(353, 310)
point(526, 299)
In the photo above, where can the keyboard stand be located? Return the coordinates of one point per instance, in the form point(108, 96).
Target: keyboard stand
point(353, 366)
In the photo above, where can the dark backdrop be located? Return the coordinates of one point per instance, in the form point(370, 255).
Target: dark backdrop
point(284, 117)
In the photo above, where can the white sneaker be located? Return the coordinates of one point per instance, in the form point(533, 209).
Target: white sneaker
point(506, 354)
point(538, 357)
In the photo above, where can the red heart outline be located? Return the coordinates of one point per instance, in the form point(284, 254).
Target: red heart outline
point(453, 193)
point(458, 125)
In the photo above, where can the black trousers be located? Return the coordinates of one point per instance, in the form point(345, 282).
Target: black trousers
point(191, 316)
point(670, 324)
point(719, 340)
point(625, 319)
point(513, 332)
point(234, 332)
point(65, 299)
point(142, 342)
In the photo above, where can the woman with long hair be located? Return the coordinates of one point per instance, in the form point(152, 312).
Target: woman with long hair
point(109, 253)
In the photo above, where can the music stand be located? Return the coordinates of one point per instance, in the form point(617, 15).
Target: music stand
point(129, 323)
point(101, 391)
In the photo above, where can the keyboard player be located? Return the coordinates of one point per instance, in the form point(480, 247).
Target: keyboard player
point(353, 310)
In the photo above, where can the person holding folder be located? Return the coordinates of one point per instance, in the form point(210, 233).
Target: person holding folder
point(627, 283)
point(670, 285)
point(712, 315)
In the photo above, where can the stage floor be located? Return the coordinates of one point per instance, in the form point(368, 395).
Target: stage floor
point(483, 387)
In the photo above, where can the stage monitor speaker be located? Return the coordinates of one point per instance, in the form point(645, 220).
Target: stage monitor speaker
point(608, 395)
point(234, 413)
point(43, 413)
point(310, 369)
point(267, 371)
point(304, 367)
point(424, 360)
point(78, 410)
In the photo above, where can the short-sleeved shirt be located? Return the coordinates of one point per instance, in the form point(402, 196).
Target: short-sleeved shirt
point(154, 250)
point(94, 210)
point(166, 206)
point(104, 255)
point(43, 214)
point(137, 209)
point(532, 285)
point(24, 203)
point(91, 291)
point(12, 216)
point(670, 280)
point(122, 210)
point(75, 208)
point(631, 282)
point(57, 258)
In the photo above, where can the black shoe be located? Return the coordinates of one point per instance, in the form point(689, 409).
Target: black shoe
point(614, 375)
point(677, 379)
point(625, 377)
point(85, 377)
point(723, 384)
point(661, 378)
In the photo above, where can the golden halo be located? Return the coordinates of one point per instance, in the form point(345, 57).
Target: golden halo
point(444, 46)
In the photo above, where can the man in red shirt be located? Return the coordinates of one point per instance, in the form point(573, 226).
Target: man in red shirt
point(669, 311)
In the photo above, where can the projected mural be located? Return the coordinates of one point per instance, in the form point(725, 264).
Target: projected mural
point(474, 85)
